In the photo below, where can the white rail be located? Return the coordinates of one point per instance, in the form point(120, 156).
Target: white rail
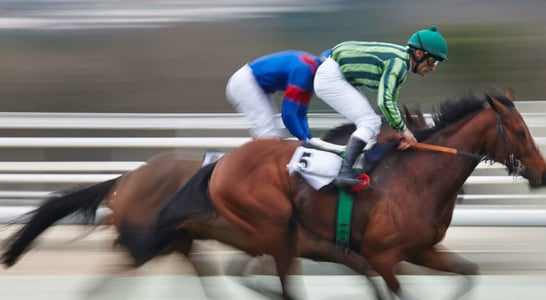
point(118, 121)
point(111, 166)
point(123, 142)
point(68, 166)
point(137, 142)
point(43, 173)
point(197, 121)
point(94, 178)
point(463, 216)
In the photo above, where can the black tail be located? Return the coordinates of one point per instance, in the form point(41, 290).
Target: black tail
point(84, 201)
point(188, 201)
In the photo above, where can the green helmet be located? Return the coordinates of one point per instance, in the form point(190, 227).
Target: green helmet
point(431, 41)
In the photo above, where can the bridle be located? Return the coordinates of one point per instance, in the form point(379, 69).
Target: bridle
point(515, 167)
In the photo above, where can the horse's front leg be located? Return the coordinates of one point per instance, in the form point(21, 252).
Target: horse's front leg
point(447, 261)
point(383, 263)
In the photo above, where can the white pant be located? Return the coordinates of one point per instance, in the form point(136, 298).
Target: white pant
point(248, 98)
point(332, 87)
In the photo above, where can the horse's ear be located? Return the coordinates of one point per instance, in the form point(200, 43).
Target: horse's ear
point(509, 94)
point(496, 104)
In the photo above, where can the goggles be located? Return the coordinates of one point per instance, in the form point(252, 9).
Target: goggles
point(431, 60)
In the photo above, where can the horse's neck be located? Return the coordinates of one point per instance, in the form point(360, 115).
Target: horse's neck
point(448, 172)
point(471, 136)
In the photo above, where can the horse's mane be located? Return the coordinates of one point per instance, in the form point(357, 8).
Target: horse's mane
point(450, 111)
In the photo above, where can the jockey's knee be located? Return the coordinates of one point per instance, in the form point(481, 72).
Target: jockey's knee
point(368, 127)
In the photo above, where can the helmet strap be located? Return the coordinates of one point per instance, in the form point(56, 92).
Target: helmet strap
point(417, 61)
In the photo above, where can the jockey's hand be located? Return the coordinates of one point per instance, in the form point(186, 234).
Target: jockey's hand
point(407, 140)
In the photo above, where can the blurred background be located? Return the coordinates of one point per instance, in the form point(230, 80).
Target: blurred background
point(176, 56)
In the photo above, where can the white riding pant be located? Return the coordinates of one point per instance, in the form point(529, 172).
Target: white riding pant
point(332, 87)
point(248, 98)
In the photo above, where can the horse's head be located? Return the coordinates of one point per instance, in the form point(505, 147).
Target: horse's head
point(512, 143)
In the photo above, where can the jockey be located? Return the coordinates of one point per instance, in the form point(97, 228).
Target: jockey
point(382, 68)
point(249, 91)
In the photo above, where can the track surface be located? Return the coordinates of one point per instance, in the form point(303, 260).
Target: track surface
point(65, 265)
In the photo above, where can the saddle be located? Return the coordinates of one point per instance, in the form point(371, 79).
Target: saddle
point(318, 162)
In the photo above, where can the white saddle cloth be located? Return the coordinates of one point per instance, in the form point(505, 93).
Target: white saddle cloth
point(317, 167)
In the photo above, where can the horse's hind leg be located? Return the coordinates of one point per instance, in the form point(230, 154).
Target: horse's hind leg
point(284, 254)
point(448, 262)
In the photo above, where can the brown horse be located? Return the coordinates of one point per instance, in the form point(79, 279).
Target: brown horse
point(135, 197)
point(249, 201)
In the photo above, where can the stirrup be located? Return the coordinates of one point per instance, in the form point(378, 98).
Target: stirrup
point(346, 181)
point(365, 183)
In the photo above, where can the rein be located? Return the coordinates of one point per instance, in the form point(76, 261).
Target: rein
point(514, 165)
point(449, 150)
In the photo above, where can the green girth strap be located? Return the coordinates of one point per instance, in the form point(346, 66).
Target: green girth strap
point(343, 223)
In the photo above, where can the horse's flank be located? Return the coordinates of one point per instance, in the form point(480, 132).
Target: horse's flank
point(149, 180)
point(266, 169)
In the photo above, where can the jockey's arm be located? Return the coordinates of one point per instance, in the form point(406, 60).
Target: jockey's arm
point(387, 93)
point(296, 102)
point(294, 117)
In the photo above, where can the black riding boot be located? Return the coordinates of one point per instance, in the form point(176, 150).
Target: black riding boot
point(346, 176)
